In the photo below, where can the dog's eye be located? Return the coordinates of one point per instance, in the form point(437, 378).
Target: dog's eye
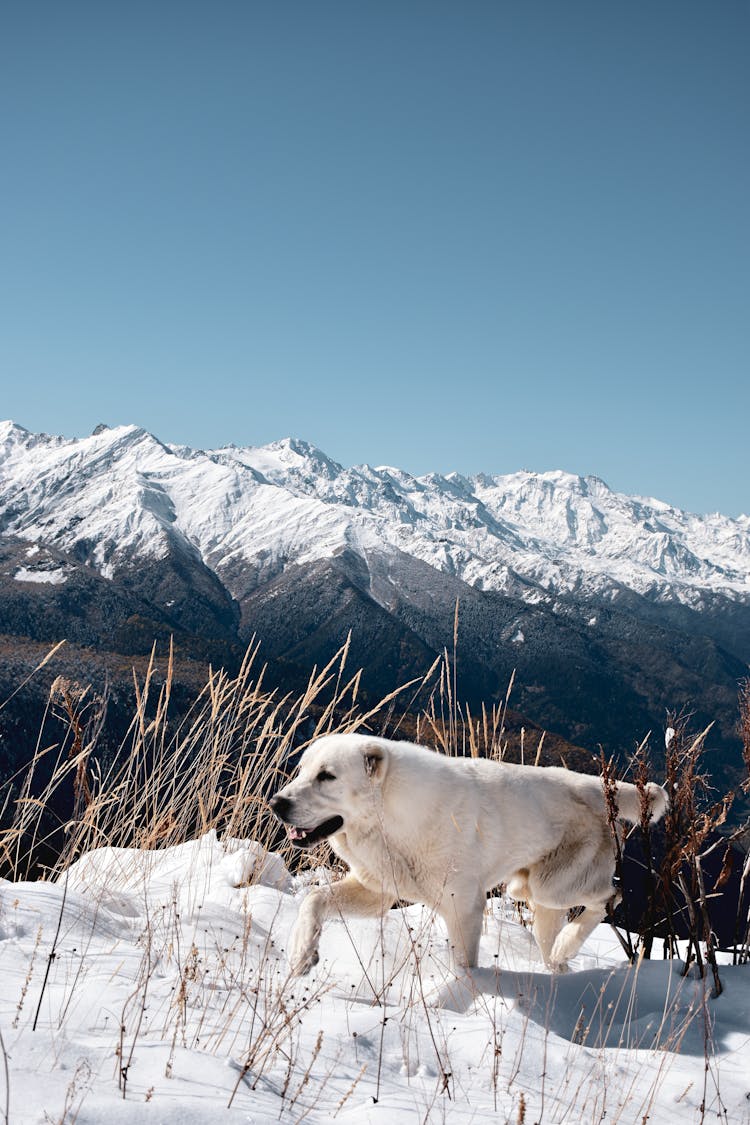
point(324, 775)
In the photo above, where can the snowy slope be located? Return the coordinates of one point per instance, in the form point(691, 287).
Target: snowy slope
point(168, 996)
point(121, 494)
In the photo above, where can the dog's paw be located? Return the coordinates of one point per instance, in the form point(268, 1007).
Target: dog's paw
point(301, 963)
point(455, 995)
point(303, 948)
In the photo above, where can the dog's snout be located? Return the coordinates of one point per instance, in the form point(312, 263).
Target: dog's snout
point(281, 806)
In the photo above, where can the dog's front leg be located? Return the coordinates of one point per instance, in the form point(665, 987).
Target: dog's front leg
point(348, 896)
point(463, 913)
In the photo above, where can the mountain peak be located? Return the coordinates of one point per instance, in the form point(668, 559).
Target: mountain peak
point(10, 429)
point(290, 455)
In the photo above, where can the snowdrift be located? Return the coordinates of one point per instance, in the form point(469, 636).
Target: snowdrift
point(152, 986)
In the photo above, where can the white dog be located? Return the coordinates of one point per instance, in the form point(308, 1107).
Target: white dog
point(414, 824)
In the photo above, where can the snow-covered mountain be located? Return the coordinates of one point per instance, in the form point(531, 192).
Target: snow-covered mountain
point(121, 495)
point(611, 609)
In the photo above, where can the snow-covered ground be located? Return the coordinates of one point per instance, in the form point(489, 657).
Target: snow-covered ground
point(168, 998)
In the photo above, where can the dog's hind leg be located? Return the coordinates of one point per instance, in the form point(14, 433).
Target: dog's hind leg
point(573, 935)
point(547, 925)
point(574, 876)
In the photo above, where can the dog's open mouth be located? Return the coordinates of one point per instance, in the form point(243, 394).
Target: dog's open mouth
point(306, 837)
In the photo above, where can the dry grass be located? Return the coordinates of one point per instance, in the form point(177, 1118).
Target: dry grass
point(215, 768)
point(169, 783)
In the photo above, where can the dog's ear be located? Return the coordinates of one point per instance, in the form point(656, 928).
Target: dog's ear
point(374, 758)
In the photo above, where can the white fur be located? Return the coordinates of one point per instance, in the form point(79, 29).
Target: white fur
point(443, 831)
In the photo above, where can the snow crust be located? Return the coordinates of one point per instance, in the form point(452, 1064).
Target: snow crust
point(531, 534)
point(169, 966)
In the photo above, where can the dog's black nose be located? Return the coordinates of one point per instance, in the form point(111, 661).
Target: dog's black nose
point(280, 806)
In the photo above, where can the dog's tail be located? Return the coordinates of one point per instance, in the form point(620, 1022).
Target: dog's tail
point(629, 804)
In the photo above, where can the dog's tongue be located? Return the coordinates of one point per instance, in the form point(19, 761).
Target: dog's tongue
point(295, 833)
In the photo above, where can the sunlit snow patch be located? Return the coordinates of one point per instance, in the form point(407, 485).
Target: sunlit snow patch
point(48, 577)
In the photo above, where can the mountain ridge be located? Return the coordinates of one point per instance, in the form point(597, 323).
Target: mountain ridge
point(533, 534)
point(612, 609)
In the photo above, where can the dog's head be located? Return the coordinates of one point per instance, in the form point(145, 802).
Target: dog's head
point(336, 780)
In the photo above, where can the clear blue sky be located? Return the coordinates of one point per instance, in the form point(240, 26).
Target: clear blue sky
point(463, 235)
